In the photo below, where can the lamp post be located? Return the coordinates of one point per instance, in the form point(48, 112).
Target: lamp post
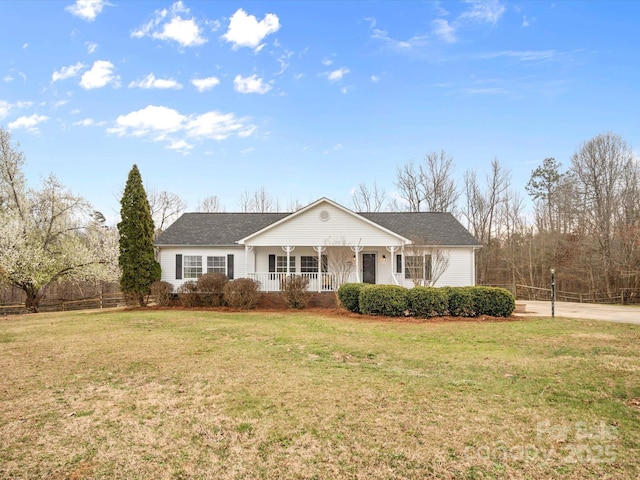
point(553, 293)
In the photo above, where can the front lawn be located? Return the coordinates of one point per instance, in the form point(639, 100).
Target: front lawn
point(308, 395)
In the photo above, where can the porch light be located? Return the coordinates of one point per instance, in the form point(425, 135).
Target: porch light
point(384, 258)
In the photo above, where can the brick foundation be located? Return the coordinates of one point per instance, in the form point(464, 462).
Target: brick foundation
point(275, 300)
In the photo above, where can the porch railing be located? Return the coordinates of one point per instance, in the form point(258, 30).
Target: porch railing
point(318, 282)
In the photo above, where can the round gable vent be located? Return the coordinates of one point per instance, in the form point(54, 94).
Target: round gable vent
point(324, 215)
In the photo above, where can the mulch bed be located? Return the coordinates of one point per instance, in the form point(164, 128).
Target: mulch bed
point(342, 313)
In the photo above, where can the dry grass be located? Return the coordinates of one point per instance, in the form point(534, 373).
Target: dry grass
point(304, 395)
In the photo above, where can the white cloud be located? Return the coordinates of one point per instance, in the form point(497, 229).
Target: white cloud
point(486, 11)
point(375, 78)
point(150, 81)
point(204, 84)
point(171, 25)
point(67, 72)
point(338, 74)
point(91, 47)
point(29, 123)
point(252, 84)
point(87, 122)
point(444, 30)
point(158, 123)
point(327, 61)
point(180, 146)
point(7, 78)
point(246, 31)
point(524, 55)
point(87, 9)
point(336, 148)
point(416, 41)
point(6, 107)
point(100, 75)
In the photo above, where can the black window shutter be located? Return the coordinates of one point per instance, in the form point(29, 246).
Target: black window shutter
point(272, 263)
point(178, 267)
point(398, 263)
point(230, 266)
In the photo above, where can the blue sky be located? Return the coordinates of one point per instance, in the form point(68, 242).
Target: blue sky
point(307, 99)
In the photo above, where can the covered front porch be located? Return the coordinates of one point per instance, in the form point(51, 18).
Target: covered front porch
point(325, 267)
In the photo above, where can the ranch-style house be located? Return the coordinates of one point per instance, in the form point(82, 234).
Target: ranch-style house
point(325, 242)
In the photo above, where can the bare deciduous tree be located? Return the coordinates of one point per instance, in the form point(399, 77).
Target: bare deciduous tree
point(258, 202)
point(431, 186)
point(210, 204)
point(339, 260)
point(365, 199)
point(409, 188)
point(165, 208)
point(436, 176)
point(600, 166)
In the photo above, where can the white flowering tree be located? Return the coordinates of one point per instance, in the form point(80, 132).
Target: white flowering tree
point(47, 234)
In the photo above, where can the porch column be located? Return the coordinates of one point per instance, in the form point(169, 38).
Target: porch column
point(288, 249)
point(392, 249)
point(356, 250)
point(247, 249)
point(319, 249)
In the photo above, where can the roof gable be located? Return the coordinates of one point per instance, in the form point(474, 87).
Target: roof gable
point(321, 222)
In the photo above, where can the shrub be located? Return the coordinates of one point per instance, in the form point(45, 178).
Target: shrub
point(188, 294)
point(211, 288)
point(294, 290)
point(134, 299)
point(389, 300)
point(427, 302)
point(163, 292)
point(496, 302)
point(242, 293)
point(349, 296)
point(460, 301)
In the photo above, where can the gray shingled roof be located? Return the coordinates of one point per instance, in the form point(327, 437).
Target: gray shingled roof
point(208, 229)
point(427, 228)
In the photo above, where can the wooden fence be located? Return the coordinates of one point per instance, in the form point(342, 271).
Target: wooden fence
point(103, 301)
point(623, 296)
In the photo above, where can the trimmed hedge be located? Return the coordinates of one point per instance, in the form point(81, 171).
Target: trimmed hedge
point(389, 300)
point(349, 296)
point(460, 301)
point(427, 302)
point(496, 302)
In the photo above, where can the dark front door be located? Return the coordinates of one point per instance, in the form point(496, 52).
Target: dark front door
point(369, 267)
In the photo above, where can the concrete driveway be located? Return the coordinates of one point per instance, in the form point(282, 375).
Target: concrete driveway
point(610, 313)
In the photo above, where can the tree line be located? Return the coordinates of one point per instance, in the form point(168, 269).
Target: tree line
point(584, 221)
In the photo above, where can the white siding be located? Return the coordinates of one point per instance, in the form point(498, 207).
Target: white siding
point(167, 259)
point(459, 273)
point(341, 228)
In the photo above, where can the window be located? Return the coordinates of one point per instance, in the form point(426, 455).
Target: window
point(281, 264)
point(309, 264)
point(417, 267)
point(192, 266)
point(216, 265)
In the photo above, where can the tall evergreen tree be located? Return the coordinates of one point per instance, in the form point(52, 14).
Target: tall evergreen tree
point(137, 260)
